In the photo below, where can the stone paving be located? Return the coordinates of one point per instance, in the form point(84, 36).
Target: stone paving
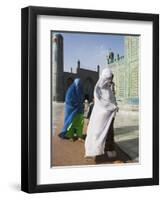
point(65, 152)
point(127, 133)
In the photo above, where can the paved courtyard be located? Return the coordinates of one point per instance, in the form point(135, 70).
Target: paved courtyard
point(127, 133)
point(66, 153)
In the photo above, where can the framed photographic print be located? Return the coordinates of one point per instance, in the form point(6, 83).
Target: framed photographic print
point(90, 99)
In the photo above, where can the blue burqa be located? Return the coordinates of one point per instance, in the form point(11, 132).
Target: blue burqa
point(73, 104)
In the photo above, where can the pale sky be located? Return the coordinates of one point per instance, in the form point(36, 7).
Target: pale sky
point(90, 49)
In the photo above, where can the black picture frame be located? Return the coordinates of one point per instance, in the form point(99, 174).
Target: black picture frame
point(29, 98)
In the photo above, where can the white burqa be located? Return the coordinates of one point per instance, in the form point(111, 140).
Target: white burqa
point(102, 114)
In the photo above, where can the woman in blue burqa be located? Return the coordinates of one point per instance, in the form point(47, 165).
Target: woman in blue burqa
point(73, 112)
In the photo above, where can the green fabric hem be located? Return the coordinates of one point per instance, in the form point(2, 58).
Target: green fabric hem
point(75, 129)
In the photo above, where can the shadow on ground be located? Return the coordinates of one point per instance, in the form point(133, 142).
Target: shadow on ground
point(68, 153)
point(133, 145)
point(125, 129)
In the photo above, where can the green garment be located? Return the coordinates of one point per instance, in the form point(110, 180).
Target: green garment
point(75, 129)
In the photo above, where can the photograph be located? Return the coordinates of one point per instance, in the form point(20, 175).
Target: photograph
point(95, 105)
point(90, 99)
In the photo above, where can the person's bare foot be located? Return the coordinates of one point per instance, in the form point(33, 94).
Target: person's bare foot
point(90, 158)
point(72, 139)
point(118, 162)
point(81, 140)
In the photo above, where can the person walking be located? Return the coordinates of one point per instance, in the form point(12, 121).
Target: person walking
point(73, 113)
point(110, 143)
point(103, 113)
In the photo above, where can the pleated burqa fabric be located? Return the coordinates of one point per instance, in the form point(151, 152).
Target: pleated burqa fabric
point(101, 117)
point(73, 112)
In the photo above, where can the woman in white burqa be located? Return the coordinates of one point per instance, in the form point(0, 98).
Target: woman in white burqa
point(103, 112)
